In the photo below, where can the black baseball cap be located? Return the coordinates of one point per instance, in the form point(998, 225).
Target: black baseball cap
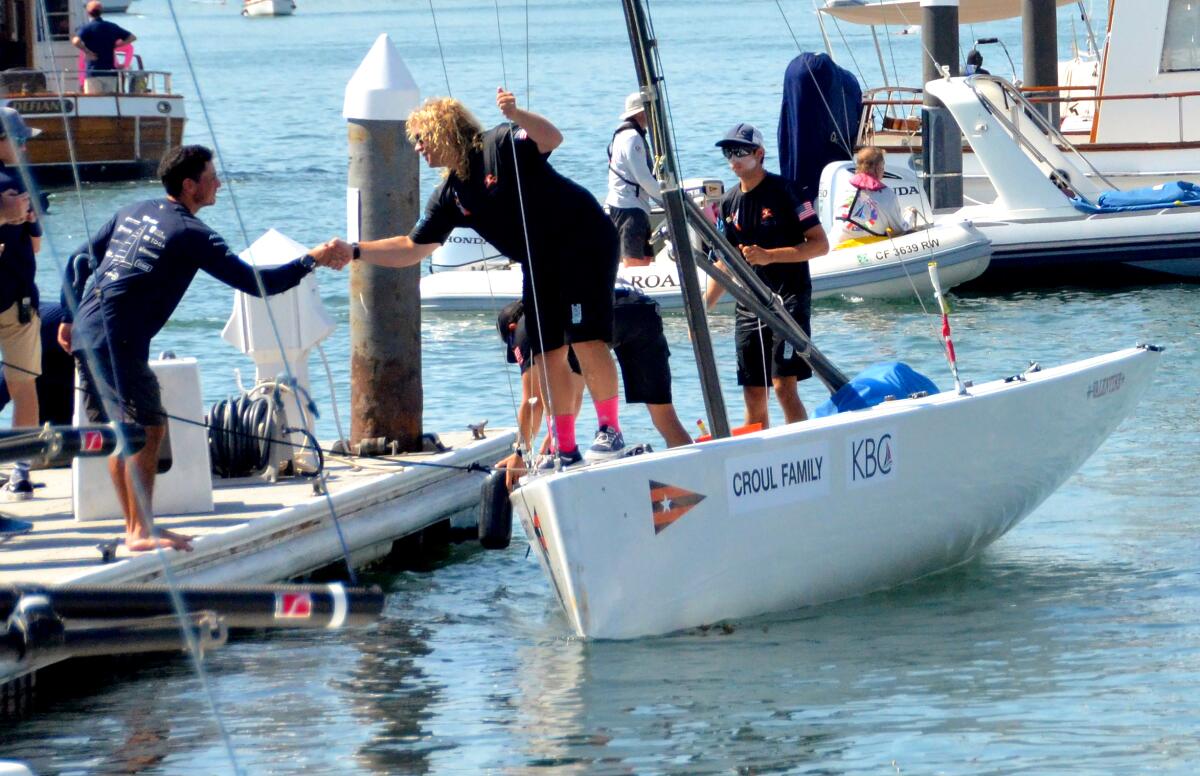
point(744, 135)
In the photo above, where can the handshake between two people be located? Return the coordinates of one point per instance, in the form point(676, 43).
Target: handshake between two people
point(334, 254)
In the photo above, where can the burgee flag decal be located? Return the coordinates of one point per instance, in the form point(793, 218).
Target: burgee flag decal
point(670, 503)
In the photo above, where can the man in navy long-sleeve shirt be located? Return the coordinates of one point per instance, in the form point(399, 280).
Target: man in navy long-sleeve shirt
point(140, 264)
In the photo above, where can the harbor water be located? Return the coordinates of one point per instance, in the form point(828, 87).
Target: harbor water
point(1070, 646)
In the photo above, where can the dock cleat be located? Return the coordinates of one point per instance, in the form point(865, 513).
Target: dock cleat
point(608, 444)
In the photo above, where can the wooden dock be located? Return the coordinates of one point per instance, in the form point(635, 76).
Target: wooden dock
point(258, 532)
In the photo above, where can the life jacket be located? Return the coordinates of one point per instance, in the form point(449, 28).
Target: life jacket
point(850, 220)
point(637, 189)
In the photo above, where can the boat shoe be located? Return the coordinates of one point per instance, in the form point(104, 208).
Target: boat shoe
point(608, 444)
point(553, 462)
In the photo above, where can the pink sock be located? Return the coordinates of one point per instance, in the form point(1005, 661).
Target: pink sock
point(606, 413)
point(564, 433)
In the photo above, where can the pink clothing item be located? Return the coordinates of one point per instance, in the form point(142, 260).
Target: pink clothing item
point(564, 433)
point(606, 413)
point(863, 180)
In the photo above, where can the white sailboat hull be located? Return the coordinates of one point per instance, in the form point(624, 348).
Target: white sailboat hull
point(268, 8)
point(474, 290)
point(819, 511)
point(889, 269)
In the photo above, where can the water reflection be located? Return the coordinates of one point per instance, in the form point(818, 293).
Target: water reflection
point(860, 684)
point(392, 698)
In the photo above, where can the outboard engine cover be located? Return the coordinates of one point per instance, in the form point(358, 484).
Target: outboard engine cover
point(835, 193)
point(466, 249)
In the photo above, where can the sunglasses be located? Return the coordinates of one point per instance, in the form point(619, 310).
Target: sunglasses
point(740, 152)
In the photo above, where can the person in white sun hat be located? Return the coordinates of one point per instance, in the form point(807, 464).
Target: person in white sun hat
point(631, 184)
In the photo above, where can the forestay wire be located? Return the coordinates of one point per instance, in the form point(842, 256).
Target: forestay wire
point(262, 290)
point(112, 401)
point(849, 148)
point(487, 270)
point(540, 363)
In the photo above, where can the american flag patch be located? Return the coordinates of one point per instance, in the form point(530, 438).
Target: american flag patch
point(806, 211)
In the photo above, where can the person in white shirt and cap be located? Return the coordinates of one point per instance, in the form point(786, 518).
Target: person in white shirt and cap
point(631, 184)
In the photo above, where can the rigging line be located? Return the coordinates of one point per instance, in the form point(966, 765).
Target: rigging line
point(661, 87)
point(486, 267)
point(892, 54)
point(441, 52)
point(177, 603)
point(256, 437)
point(936, 64)
point(500, 41)
point(287, 367)
point(837, 128)
point(512, 396)
point(528, 85)
point(537, 320)
point(337, 416)
point(44, 31)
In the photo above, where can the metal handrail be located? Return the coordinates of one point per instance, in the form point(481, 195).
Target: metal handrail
point(35, 82)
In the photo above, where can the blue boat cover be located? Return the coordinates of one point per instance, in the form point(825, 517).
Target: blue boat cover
point(873, 385)
point(1177, 194)
point(818, 121)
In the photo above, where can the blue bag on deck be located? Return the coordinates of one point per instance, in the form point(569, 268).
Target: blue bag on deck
point(1176, 194)
point(873, 385)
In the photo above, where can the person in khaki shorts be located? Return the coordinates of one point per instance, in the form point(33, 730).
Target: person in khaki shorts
point(20, 340)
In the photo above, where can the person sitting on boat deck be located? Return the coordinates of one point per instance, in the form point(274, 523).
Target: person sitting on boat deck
point(778, 232)
point(499, 183)
point(20, 343)
point(975, 63)
point(642, 352)
point(139, 265)
point(631, 184)
point(871, 209)
point(98, 40)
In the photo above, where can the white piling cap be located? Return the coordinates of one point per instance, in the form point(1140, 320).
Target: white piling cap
point(381, 89)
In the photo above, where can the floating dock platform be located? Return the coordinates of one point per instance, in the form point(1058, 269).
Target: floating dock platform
point(258, 531)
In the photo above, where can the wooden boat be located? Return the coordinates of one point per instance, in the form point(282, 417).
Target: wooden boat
point(268, 7)
point(116, 136)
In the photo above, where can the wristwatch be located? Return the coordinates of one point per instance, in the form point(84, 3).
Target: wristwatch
point(357, 251)
point(308, 261)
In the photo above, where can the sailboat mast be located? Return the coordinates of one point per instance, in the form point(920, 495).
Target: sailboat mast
point(650, 78)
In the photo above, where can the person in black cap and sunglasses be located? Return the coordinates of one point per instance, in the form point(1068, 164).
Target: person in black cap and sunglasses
point(778, 232)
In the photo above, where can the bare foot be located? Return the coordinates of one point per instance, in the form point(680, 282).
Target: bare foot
point(168, 540)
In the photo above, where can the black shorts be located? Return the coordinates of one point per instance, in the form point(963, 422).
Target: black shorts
point(633, 229)
point(132, 380)
point(574, 299)
point(518, 350)
point(752, 366)
point(642, 352)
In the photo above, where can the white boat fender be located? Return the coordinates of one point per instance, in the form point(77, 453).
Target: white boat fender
point(495, 512)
